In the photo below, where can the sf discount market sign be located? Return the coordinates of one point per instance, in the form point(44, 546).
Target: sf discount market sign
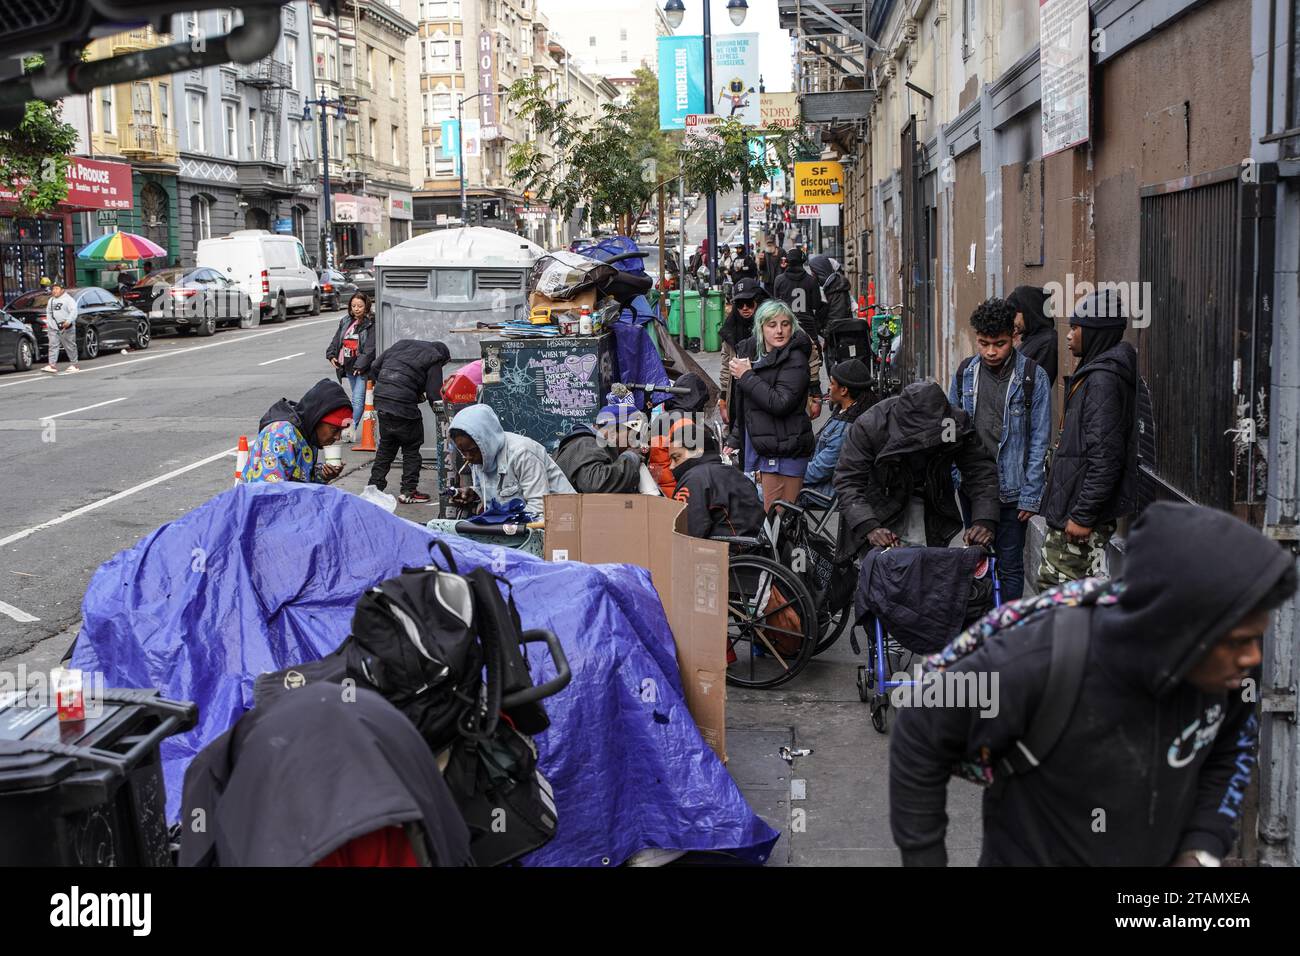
point(819, 182)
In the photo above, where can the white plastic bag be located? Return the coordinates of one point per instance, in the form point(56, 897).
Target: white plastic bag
point(646, 483)
point(379, 498)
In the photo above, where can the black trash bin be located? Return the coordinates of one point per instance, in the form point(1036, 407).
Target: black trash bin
point(87, 792)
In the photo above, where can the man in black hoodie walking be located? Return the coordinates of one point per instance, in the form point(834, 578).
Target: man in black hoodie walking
point(407, 373)
point(1150, 765)
point(1093, 472)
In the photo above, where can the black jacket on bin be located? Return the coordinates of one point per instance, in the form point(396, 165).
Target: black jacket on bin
point(874, 479)
point(593, 468)
point(1169, 764)
point(720, 500)
point(795, 278)
point(405, 374)
point(771, 401)
point(358, 364)
point(1094, 467)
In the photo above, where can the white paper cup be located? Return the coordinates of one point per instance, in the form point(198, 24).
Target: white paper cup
point(334, 454)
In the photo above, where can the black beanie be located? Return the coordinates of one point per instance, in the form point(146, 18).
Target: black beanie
point(1100, 310)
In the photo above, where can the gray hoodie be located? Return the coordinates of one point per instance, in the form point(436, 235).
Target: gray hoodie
point(60, 311)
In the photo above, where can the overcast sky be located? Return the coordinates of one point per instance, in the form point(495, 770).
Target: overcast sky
point(774, 43)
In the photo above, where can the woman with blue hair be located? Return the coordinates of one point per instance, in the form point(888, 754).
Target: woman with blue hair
point(769, 419)
point(504, 465)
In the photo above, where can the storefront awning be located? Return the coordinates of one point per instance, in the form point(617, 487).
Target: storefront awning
point(92, 184)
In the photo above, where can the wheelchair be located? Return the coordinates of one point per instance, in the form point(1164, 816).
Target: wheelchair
point(790, 595)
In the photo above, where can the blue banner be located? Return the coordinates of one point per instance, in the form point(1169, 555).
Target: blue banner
point(681, 80)
point(451, 145)
point(284, 225)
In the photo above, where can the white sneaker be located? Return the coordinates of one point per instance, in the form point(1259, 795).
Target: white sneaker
point(50, 368)
point(71, 369)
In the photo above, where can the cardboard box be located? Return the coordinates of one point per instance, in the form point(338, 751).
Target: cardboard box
point(690, 575)
point(538, 301)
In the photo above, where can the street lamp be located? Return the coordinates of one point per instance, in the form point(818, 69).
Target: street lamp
point(674, 12)
point(325, 103)
point(736, 9)
point(460, 147)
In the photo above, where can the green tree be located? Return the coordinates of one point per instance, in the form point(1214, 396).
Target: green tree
point(578, 160)
point(652, 142)
point(34, 154)
point(723, 158)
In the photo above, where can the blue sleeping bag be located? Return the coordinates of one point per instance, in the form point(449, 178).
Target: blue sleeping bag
point(266, 576)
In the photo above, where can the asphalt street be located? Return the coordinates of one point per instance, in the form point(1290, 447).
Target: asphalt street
point(95, 461)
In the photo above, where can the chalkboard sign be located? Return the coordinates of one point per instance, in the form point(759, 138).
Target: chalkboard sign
point(544, 388)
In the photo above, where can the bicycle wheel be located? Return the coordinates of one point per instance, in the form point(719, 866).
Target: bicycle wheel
point(771, 622)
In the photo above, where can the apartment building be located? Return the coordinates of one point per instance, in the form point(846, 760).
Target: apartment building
point(211, 150)
point(359, 68)
point(611, 40)
point(465, 57)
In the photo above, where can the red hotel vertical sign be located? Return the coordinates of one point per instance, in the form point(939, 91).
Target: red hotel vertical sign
point(487, 83)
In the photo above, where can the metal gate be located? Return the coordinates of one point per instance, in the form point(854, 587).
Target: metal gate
point(1206, 268)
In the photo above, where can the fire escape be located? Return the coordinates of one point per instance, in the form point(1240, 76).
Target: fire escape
point(272, 77)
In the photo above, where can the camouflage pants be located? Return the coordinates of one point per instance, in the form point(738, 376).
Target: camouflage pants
point(1065, 561)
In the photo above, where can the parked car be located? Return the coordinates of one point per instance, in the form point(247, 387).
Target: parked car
point(19, 345)
point(731, 215)
point(192, 300)
point(272, 269)
point(102, 321)
point(647, 227)
point(336, 289)
point(360, 271)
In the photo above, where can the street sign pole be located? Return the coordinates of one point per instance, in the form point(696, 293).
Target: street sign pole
point(744, 194)
point(711, 201)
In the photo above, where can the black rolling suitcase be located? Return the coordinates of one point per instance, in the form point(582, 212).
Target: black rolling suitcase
point(87, 792)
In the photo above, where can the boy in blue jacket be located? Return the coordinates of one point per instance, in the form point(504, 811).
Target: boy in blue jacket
point(850, 388)
point(1008, 397)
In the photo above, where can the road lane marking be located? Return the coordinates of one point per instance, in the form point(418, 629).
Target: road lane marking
point(19, 615)
point(94, 505)
point(84, 408)
point(284, 358)
point(193, 348)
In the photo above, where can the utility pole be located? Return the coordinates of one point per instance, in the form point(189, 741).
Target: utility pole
point(711, 201)
point(327, 224)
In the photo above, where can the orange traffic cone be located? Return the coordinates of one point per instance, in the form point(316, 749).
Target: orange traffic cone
point(241, 459)
point(367, 442)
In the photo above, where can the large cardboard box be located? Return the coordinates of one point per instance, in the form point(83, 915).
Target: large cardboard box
point(690, 575)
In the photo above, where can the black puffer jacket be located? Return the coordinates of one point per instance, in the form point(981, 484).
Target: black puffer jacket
point(593, 468)
point(358, 364)
point(874, 479)
point(800, 290)
point(405, 374)
point(770, 401)
point(1094, 468)
point(1039, 340)
point(838, 303)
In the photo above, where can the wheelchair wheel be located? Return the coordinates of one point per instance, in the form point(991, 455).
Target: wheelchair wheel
point(880, 713)
point(865, 681)
point(771, 622)
point(832, 625)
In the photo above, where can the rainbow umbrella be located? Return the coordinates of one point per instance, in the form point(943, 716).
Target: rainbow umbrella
point(122, 247)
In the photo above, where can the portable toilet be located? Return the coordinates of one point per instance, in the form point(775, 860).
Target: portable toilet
point(452, 278)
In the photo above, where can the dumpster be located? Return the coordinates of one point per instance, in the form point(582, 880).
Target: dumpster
point(87, 792)
point(673, 311)
point(452, 278)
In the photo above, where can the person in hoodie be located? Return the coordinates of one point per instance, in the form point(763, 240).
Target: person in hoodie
point(1037, 329)
point(837, 303)
point(1008, 398)
point(1152, 763)
point(405, 374)
point(769, 263)
point(799, 289)
point(1092, 480)
point(291, 435)
point(769, 424)
point(504, 465)
point(604, 458)
point(849, 393)
point(743, 265)
point(719, 499)
point(895, 475)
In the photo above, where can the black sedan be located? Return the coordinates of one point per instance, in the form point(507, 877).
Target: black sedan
point(102, 321)
point(18, 343)
point(360, 271)
point(192, 300)
point(336, 289)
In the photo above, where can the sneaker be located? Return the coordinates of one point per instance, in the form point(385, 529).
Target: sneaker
point(70, 369)
point(50, 368)
point(413, 498)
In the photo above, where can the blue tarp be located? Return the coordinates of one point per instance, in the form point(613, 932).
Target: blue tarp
point(266, 576)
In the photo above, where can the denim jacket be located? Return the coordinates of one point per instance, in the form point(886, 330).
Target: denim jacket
point(822, 467)
point(1022, 471)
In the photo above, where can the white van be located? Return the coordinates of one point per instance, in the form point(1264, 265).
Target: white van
point(271, 268)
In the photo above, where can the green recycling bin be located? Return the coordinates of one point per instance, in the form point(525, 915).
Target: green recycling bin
point(713, 307)
point(692, 313)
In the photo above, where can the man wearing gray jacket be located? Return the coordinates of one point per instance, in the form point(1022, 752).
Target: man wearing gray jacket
point(61, 328)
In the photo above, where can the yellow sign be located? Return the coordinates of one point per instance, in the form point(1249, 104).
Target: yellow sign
point(818, 182)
